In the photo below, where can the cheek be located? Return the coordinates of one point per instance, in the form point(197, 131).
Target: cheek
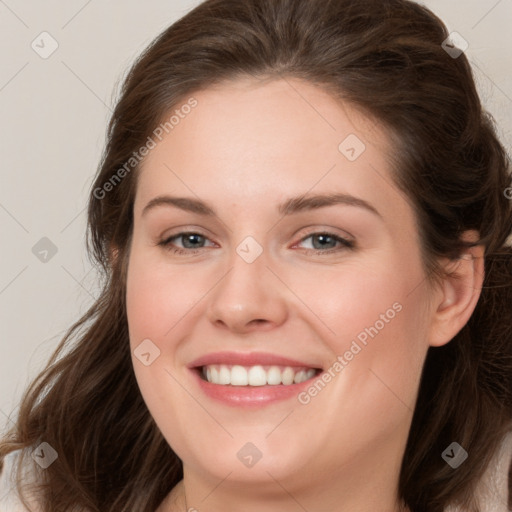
point(159, 299)
point(158, 296)
point(363, 299)
point(375, 318)
point(379, 327)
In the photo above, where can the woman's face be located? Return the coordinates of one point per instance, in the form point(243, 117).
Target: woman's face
point(300, 260)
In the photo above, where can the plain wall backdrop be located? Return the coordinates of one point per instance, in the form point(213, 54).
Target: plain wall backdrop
point(54, 110)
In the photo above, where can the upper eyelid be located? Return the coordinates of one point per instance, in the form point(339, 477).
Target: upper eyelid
point(186, 232)
point(315, 230)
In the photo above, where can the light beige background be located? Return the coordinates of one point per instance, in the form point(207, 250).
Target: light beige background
point(53, 115)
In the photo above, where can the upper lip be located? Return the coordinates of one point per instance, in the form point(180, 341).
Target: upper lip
point(248, 359)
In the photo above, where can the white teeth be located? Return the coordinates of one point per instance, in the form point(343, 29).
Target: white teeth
point(299, 377)
point(256, 375)
point(224, 375)
point(274, 376)
point(239, 376)
point(287, 376)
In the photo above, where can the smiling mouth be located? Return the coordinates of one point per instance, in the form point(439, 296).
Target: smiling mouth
point(257, 375)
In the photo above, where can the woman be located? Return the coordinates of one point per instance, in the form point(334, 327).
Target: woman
point(302, 217)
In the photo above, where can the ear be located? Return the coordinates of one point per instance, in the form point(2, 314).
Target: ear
point(457, 295)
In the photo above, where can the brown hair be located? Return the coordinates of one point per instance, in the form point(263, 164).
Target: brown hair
point(385, 58)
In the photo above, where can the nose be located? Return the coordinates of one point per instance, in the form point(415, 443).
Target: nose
point(248, 298)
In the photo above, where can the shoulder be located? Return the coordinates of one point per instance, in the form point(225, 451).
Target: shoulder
point(9, 498)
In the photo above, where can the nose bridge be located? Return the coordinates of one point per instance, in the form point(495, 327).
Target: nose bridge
point(248, 294)
point(244, 283)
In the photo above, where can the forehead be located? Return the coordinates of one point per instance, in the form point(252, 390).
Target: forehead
point(279, 119)
point(255, 140)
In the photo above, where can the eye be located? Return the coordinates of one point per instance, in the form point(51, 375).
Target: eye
point(324, 242)
point(192, 242)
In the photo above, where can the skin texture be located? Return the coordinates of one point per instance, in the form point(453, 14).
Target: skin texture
point(247, 147)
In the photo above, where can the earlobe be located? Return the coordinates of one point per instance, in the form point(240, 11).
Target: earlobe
point(457, 295)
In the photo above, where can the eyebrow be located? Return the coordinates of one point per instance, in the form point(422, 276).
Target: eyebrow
point(289, 207)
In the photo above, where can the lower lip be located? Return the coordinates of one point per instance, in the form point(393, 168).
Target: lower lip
point(251, 396)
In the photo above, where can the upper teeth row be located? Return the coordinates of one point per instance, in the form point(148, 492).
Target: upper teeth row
point(255, 375)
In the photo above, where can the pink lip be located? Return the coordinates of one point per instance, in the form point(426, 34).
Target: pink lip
point(248, 359)
point(248, 396)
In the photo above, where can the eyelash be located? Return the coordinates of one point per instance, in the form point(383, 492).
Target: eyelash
point(346, 244)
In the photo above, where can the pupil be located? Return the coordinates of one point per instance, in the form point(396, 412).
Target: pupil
point(190, 238)
point(323, 238)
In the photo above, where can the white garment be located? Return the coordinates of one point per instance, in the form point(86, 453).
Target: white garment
point(492, 491)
